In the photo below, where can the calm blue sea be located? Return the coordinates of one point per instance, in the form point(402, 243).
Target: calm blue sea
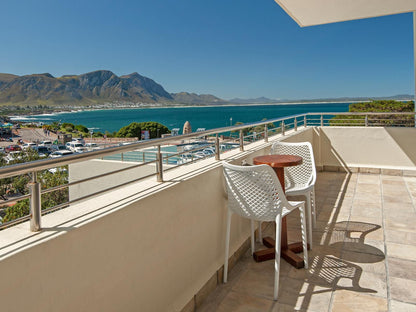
point(199, 117)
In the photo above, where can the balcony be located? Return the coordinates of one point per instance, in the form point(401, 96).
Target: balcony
point(135, 244)
point(363, 259)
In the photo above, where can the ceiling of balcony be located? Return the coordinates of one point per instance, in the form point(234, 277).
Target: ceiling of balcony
point(315, 12)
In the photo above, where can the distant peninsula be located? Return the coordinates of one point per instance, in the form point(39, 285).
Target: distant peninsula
point(104, 89)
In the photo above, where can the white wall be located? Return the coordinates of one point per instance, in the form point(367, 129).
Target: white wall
point(366, 146)
point(90, 168)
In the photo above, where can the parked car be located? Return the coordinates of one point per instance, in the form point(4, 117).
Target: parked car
point(74, 145)
point(58, 147)
point(12, 156)
point(92, 146)
point(13, 148)
point(43, 151)
point(61, 153)
point(46, 143)
point(26, 146)
point(81, 149)
point(79, 140)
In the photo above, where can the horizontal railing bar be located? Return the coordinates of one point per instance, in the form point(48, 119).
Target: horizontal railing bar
point(18, 169)
point(11, 200)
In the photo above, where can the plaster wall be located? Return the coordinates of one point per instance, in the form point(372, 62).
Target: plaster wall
point(366, 146)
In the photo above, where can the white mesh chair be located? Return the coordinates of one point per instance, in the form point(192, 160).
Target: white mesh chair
point(300, 180)
point(255, 193)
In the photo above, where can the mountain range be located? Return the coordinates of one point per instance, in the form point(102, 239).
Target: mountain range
point(92, 88)
point(103, 86)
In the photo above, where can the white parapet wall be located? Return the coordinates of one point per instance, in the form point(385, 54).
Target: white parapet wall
point(87, 169)
point(366, 147)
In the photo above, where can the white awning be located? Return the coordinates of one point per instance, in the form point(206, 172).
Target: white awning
point(315, 12)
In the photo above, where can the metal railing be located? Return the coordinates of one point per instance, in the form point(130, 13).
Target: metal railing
point(284, 124)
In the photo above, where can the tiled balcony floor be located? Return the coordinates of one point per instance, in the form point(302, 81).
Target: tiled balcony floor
point(363, 258)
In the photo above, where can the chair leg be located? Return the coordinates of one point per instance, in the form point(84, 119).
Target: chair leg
point(260, 238)
point(252, 237)
point(304, 235)
point(308, 208)
point(313, 207)
point(277, 257)
point(227, 245)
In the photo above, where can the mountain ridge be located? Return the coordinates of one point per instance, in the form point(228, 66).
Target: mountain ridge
point(97, 87)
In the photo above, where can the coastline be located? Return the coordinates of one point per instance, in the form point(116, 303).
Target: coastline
point(162, 106)
point(58, 111)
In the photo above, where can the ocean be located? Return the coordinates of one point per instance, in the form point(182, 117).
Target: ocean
point(208, 117)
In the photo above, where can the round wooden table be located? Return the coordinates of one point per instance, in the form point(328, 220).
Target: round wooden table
point(288, 252)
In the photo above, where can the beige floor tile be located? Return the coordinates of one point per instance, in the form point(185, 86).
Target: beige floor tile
point(401, 237)
point(401, 251)
point(349, 301)
point(402, 268)
point(258, 282)
point(376, 215)
point(397, 306)
point(303, 295)
point(403, 290)
point(328, 238)
point(365, 247)
point(281, 307)
point(367, 198)
point(368, 178)
point(241, 302)
point(406, 225)
point(368, 188)
point(366, 262)
point(397, 199)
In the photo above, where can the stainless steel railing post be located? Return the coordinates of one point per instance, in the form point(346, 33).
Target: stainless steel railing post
point(305, 123)
point(159, 165)
point(295, 123)
point(241, 141)
point(217, 147)
point(266, 133)
point(283, 127)
point(366, 120)
point(35, 204)
point(322, 120)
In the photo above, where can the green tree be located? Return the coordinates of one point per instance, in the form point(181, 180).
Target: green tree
point(48, 180)
point(387, 106)
point(18, 210)
point(135, 128)
point(67, 127)
point(81, 128)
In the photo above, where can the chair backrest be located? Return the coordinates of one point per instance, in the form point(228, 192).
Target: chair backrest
point(254, 192)
point(304, 174)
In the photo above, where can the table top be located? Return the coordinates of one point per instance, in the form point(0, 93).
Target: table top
point(278, 161)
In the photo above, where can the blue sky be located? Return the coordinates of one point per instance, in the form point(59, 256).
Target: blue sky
point(234, 48)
